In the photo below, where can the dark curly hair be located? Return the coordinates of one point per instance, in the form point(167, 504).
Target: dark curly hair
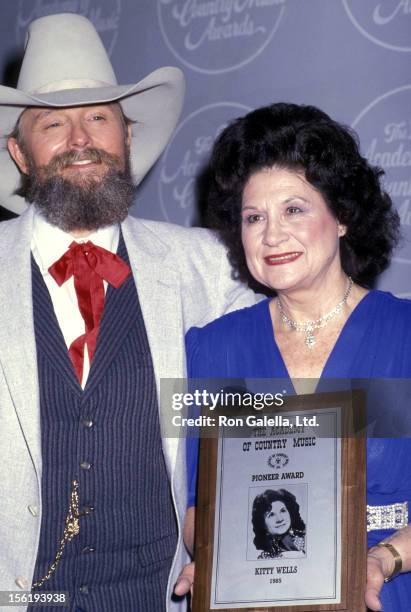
point(262, 504)
point(298, 137)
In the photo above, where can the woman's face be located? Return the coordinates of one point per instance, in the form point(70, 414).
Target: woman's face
point(290, 237)
point(277, 520)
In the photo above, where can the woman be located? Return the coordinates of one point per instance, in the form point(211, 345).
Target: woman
point(277, 524)
point(304, 214)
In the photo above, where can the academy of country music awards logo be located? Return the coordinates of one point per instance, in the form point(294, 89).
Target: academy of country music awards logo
point(186, 155)
point(215, 36)
point(384, 127)
point(105, 16)
point(278, 461)
point(386, 23)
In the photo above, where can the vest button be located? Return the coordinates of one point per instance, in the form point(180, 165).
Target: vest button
point(83, 589)
point(86, 510)
point(85, 465)
point(88, 549)
point(22, 582)
point(88, 423)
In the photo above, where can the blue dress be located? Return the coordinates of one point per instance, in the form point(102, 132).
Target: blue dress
point(374, 343)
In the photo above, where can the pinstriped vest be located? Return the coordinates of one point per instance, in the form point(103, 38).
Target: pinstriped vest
point(107, 436)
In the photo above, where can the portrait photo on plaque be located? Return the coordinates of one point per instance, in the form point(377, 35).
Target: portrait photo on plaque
point(277, 522)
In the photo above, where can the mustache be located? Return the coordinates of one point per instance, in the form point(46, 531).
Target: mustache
point(97, 156)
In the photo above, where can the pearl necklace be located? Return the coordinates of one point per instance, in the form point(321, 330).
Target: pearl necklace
point(309, 326)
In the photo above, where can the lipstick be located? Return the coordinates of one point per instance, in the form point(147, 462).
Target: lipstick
point(281, 258)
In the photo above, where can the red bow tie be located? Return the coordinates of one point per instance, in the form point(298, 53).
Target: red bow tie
point(90, 265)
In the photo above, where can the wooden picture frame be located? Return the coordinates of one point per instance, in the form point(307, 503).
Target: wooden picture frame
point(351, 523)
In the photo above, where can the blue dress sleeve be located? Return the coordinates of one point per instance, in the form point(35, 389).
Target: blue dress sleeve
point(192, 442)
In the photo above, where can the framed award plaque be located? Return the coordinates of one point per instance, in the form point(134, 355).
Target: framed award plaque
point(281, 514)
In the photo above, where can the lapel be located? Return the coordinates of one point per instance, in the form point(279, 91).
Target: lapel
point(158, 288)
point(17, 343)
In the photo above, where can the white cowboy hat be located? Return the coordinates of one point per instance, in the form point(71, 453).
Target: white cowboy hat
point(65, 64)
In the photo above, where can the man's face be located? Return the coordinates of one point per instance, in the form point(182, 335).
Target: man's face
point(66, 142)
point(75, 165)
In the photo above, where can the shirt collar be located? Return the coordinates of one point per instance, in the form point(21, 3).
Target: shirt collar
point(49, 242)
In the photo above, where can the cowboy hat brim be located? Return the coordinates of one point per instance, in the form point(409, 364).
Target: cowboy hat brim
point(153, 104)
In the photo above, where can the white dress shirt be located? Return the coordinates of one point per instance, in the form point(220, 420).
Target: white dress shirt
point(48, 244)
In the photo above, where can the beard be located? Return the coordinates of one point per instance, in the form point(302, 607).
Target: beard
point(87, 202)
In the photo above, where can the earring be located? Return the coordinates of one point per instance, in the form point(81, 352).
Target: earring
point(341, 230)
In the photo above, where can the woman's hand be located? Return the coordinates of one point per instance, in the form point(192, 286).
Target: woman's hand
point(185, 581)
point(378, 567)
point(381, 564)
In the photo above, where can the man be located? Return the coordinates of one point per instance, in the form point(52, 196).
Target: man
point(95, 307)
